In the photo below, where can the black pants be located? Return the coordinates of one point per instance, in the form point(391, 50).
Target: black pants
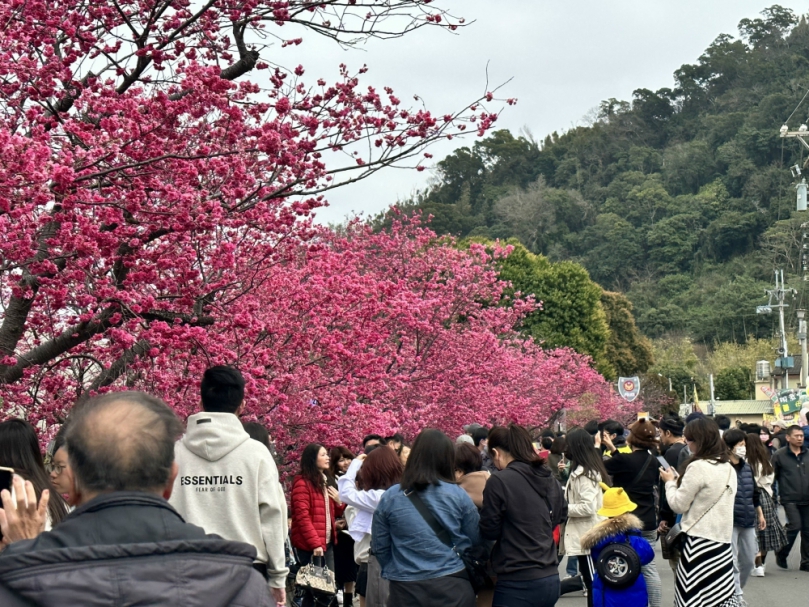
point(586, 569)
point(797, 523)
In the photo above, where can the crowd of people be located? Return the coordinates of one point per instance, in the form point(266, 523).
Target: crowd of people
point(128, 506)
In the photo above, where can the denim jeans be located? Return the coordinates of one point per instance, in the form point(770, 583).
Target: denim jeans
point(572, 566)
point(543, 592)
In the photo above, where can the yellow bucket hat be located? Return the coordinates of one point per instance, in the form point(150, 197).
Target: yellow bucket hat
point(616, 502)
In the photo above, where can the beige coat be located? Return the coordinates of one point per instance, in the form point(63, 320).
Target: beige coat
point(705, 498)
point(584, 499)
point(474, 483)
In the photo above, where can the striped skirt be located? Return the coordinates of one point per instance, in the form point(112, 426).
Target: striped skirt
point(774, 537)
point(705, 575)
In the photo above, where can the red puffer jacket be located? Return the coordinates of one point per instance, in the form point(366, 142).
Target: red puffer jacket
point(309, 516)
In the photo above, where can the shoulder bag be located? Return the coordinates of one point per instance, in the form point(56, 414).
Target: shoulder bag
point(677, 534)
point(474, 558)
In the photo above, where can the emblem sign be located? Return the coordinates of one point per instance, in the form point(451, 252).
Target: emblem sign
point(629, 388)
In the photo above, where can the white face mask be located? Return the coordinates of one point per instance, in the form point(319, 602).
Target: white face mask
point(740, 451)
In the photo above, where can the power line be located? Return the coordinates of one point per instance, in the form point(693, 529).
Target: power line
point(797, 106)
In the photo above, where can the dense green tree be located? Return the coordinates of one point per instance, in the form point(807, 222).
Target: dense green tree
point(677, 197)
point(611, 250)
point(733, 383)
point(628, 351)
point(571, 313)
point(673, 241)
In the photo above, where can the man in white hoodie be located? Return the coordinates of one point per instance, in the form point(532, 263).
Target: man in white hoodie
point(227, 482)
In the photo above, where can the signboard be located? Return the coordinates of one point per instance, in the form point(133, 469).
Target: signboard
point(786, 420)
point(789, 402)
point(643, 415)
point(629, 388)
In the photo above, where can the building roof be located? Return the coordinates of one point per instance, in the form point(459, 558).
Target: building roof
point(742, 407)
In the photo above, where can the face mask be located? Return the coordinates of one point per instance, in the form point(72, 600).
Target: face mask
point(741, 452)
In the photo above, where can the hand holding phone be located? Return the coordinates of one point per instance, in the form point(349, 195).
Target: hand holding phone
point(22, 518)
point(663, 462)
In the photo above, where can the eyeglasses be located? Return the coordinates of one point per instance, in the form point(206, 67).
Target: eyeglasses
point(56, 469)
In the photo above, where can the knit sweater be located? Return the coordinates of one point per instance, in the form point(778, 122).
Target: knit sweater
point(704, 484)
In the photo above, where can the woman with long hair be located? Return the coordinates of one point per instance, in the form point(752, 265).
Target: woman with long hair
point(345, 569)
point(637, 474)
point(58, 467)
point(773, 537)
point(422, 569)
point(522, 504)
point(765, 437)
point(19, 449)
point(340, 459)
point(584, 499)
point(704, 495)
point(361, 488)
point(315, 508)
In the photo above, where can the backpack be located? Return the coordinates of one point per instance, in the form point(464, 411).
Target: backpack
point(618, 564)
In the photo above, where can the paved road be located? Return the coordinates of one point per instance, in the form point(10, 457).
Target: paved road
point(778, 586)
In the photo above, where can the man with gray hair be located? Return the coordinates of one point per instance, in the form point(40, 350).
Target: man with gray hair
point(124, 544)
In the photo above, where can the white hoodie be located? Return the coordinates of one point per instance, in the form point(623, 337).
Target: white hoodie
point(228, 485)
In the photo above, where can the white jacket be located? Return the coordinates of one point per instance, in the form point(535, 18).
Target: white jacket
point(584, 499)
point(704, 484)
point(228, 485)
point(764, 481)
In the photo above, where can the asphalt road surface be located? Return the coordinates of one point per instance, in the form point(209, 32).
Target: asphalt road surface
point(777, 587)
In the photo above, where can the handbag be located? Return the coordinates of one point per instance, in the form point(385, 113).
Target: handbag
point(676, 533)
point(318, 579)
point(474, 558)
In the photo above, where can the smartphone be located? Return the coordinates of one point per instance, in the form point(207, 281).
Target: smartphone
point(663, 463)
point(6, 476)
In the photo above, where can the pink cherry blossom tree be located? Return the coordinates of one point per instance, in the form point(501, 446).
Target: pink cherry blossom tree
point(363, 331)
point(157, 165)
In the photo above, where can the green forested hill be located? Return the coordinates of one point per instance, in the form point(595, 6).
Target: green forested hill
point(681, 198)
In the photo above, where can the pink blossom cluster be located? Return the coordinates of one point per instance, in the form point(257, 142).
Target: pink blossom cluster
point(157, 174)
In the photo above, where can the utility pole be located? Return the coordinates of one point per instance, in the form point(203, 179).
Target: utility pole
point(776, 300)
point(802, 340)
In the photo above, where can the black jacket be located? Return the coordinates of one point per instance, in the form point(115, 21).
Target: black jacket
point(624, 469)
point(132, 548)
point(792, 475)
point(516, 514)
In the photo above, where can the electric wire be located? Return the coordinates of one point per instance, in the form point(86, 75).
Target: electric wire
point(797, 106)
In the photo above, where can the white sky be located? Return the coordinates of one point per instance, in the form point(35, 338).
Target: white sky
point(565, 56)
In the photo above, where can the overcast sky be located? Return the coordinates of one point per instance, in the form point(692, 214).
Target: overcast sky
point(565, 56)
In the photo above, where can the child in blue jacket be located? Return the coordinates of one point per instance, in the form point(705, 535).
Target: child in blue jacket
point(619, 527)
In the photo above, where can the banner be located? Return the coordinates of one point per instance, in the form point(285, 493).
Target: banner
point(629, 388)
point(789, 402)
